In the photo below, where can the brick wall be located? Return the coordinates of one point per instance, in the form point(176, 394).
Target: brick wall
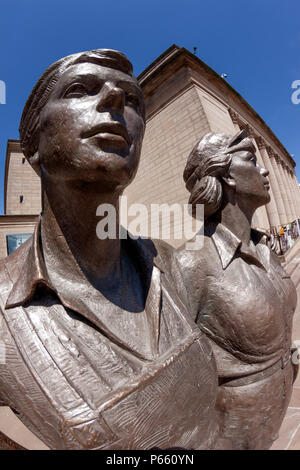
point(170, 135)
point(22, 181)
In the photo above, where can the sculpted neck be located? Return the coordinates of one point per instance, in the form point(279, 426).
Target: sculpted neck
point(237, 217)
point(69, 223)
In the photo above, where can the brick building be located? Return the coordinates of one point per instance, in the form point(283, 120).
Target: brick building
point(184, 99)
point(22, 199)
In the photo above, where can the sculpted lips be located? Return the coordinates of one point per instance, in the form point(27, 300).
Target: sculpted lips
point(112, 127)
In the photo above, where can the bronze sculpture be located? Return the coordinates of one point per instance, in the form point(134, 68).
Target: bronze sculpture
point(100, 350)
point(108, 342)
point(240, 296)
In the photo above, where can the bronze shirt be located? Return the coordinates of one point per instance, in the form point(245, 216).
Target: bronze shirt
point(76, 384)
point(242, 299)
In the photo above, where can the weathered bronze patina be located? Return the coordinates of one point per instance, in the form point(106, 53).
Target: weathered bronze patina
point(101, 352)
point(129, 344)
point(240, 296)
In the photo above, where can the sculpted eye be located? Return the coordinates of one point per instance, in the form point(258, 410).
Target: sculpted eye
point(76, 90)
point(252, 158)
point(133, 100)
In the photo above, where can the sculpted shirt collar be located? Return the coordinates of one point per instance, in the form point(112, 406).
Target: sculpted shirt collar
point(33, 272)
point(228, 245)
point(30, 273)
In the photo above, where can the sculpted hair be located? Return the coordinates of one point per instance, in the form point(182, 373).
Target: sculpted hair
point(29, 125)
point(208, 161)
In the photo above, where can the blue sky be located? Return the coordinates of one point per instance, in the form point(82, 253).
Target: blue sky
point(257, 43)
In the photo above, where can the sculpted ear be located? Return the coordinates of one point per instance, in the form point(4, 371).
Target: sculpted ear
point(229, 181)
point(35, 162)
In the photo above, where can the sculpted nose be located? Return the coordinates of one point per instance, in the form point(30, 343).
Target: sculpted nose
point(264, 172)
point(111, 98)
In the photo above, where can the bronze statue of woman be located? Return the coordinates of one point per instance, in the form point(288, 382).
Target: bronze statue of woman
point(240, 296)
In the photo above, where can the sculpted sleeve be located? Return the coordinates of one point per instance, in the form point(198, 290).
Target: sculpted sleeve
point(4, 334)
point(192, 269)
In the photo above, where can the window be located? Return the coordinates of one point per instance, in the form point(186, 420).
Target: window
point(13, 241)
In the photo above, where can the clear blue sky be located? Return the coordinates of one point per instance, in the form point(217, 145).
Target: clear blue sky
point(256, 42)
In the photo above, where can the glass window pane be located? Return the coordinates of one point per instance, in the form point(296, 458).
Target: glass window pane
point(15, 240)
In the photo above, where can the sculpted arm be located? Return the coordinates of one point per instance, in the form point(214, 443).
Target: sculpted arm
point(3, 400)
point(192, 267)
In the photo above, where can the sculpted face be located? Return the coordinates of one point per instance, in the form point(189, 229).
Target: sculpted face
point(92, 127)
point(249, 179)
